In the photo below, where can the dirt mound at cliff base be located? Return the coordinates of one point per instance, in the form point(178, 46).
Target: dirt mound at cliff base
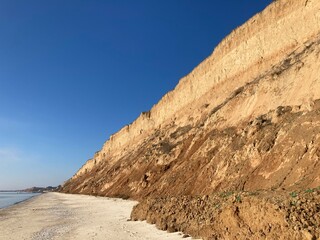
point(237, 215)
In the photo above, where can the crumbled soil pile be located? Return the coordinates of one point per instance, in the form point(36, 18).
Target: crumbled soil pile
point(237, 215)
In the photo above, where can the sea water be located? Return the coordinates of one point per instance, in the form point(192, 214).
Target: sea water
point(9, 198)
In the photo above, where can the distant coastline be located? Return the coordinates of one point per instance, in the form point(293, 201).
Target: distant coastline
point(41, 189)
point(33, 190)
point(9, 198)
point(12, 197)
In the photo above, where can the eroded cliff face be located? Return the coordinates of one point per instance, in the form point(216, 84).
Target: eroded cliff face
point(271, 61)
point(247, 118)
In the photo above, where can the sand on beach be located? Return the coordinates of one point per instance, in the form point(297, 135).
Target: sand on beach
point(66, 216)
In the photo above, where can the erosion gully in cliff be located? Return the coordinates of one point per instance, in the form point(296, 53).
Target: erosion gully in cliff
point(233, 151)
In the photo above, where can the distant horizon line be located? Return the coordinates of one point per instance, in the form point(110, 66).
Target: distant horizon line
point(16, 190)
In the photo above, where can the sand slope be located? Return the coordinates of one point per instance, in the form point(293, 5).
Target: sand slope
point(63, 216)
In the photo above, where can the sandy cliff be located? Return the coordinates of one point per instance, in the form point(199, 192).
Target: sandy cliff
point(240, 58)
point(247, 118)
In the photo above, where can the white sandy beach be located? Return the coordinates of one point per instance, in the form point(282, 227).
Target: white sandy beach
point(65, 216)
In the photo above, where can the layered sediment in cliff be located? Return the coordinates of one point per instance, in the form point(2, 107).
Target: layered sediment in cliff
point(247, 118)
point(255, 54)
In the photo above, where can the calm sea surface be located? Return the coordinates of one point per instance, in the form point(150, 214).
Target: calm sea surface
point(9, 198)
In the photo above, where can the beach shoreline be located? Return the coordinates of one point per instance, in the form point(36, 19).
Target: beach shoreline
point(16, 198)
point(66, 216)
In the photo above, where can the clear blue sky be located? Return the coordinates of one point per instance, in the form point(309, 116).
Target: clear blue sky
point(72, 72)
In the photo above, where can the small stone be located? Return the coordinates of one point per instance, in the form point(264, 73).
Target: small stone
point(307, 235)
